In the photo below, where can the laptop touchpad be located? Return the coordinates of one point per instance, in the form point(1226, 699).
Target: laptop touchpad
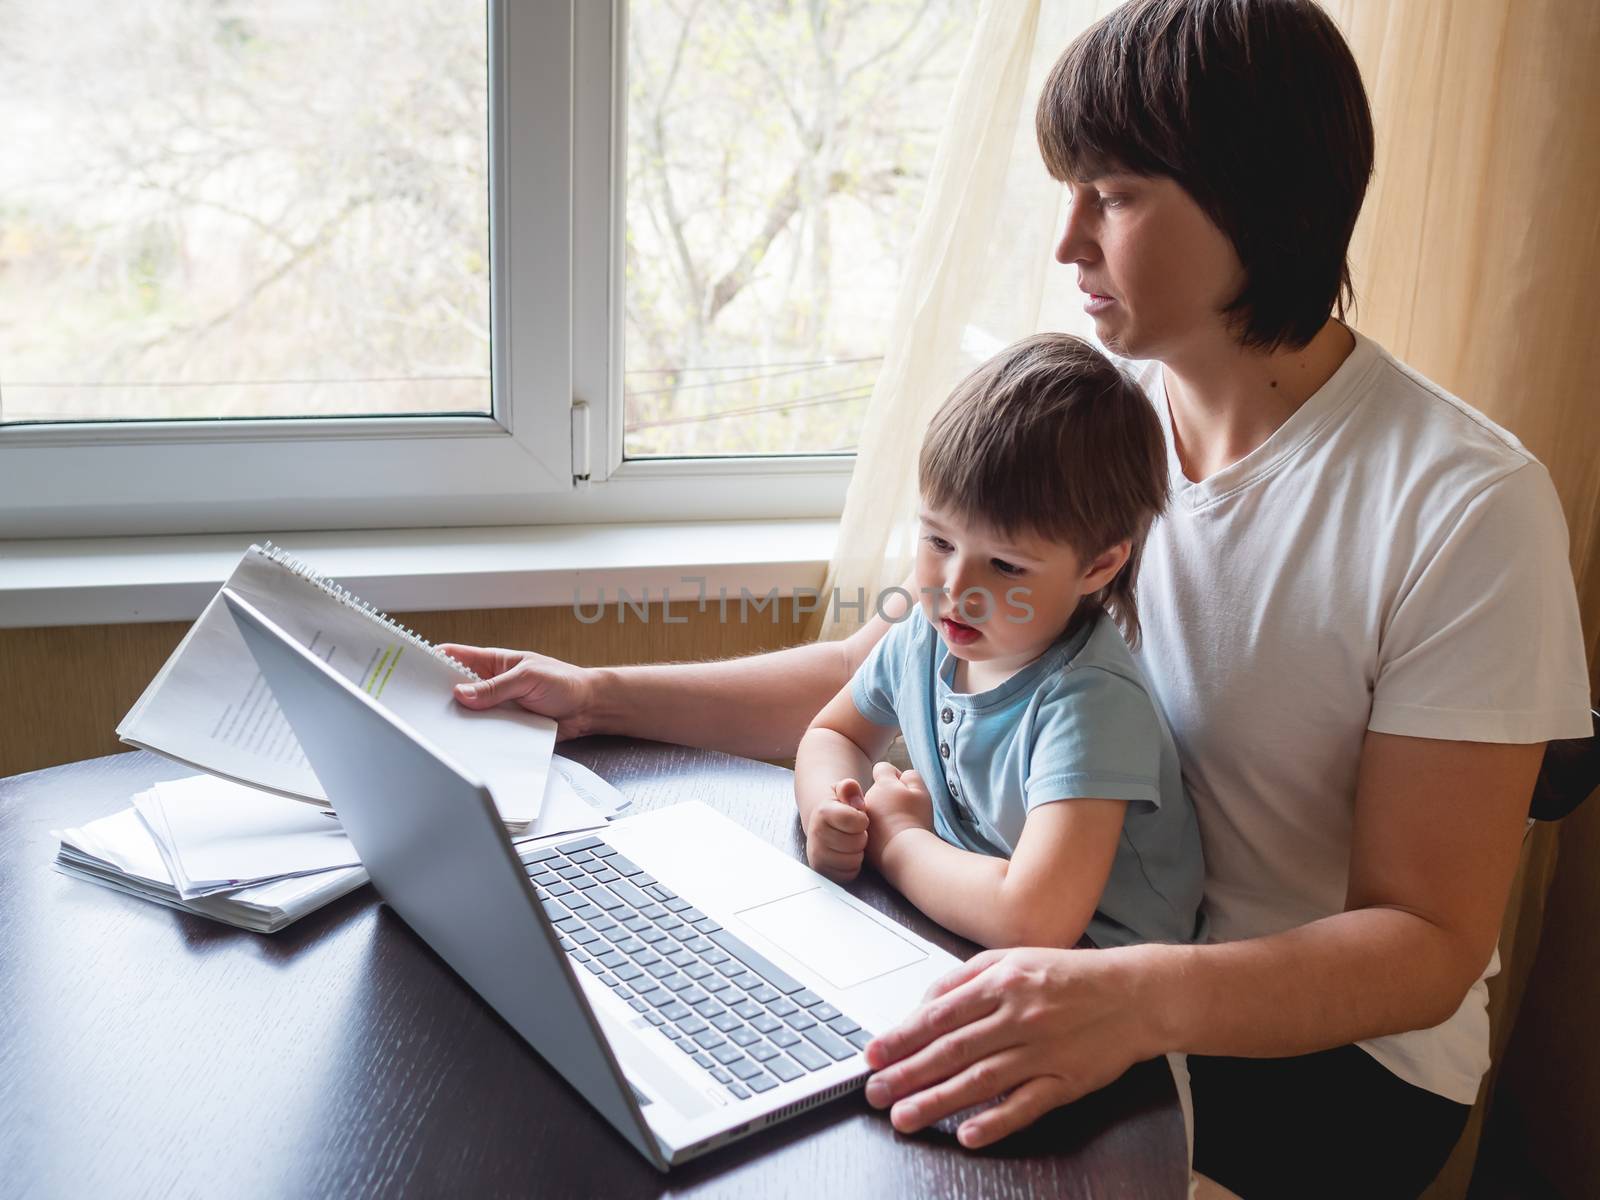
point(840, 944)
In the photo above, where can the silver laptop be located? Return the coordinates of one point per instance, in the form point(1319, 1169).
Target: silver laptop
point(693, 983)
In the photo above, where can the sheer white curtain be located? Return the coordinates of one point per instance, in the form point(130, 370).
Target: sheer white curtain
point(978, 276)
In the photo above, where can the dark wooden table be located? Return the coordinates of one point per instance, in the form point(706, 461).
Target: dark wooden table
point(146, 1052)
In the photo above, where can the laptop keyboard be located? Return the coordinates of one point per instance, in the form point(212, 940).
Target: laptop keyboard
point(735, 1014)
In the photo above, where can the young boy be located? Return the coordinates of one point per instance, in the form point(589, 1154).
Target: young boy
point(1046, 800)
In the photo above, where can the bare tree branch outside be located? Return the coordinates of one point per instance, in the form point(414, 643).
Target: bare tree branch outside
point(777, 155)
point(242, 209)
point(254, 208)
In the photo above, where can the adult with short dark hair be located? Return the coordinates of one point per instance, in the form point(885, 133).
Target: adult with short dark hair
point(1358, 617)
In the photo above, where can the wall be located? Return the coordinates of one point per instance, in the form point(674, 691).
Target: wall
point(67, 688)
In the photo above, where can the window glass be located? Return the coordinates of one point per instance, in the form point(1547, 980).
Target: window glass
point(776, 159)
point(243, 208)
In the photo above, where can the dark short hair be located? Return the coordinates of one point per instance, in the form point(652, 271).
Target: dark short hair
point(1253, 107)
point(1048, 437)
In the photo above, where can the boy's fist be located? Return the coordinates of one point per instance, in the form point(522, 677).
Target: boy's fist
point(836, 833)
point(897, 801)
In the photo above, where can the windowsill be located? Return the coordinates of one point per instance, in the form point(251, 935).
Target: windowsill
point(107, 581)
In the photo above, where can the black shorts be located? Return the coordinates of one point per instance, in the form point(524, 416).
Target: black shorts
point(1335, 1123)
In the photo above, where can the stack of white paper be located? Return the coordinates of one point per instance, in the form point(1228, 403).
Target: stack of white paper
point(216, 836)
point(261, 861)
point(584, 785)
point(118, 852)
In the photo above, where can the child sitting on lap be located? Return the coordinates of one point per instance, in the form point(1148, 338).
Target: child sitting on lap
point(1045, 800)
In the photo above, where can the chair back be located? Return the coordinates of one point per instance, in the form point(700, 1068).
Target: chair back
point(1569, 775)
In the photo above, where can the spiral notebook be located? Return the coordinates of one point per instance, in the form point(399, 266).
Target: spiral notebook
point(210, 708)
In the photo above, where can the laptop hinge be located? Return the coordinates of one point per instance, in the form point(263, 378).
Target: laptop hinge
point(664, 1152)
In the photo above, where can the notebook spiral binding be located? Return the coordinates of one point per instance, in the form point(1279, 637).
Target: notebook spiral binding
point(349, 599)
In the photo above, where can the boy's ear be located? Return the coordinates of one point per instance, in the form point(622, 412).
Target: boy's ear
point(1105, 566)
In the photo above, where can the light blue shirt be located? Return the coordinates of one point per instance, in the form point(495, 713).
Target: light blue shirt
point(1077, 722)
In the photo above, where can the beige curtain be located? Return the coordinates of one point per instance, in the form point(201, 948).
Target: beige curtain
point(1474, 262)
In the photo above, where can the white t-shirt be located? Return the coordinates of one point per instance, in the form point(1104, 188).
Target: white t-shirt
point(1389, 559)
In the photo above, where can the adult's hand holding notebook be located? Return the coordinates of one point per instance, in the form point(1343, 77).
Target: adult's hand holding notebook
point(209, 707)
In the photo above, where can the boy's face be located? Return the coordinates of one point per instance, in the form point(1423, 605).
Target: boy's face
point(1154, 269)
point(999, 600)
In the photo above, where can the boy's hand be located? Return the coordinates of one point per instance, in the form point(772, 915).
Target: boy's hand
point(836, 834)
point(897, 801)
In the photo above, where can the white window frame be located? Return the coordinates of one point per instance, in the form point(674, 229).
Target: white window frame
point(551, 453)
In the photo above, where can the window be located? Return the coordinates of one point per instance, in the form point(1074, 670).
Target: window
point(776, 161)
point(245, 211)
point(270, 266)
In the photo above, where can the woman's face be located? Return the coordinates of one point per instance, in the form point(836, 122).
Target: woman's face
point(1155, 270)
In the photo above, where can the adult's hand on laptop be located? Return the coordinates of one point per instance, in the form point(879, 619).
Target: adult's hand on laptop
point(536, 682)
point(1031, 1029)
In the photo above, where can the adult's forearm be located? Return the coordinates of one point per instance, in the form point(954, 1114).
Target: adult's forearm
point(1356, 975)
point(757, 706)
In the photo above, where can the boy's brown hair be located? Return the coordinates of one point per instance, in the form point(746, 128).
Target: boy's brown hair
point(1048, 437)
point(1253, 107)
